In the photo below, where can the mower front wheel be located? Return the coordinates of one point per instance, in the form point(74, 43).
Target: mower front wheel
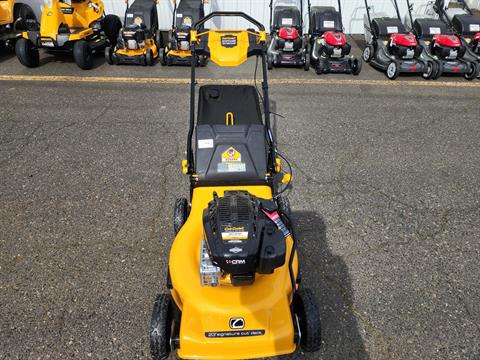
point(108, 55)
point(180, 213)
point(305, 308)
point(306, 66)
point(82, 53)
point(149, 57)
point(161, 327)
point(393, 70)
point(473, 71)
point(27, 54)
point(431, 71)
point(356, 66)
point(269, 62)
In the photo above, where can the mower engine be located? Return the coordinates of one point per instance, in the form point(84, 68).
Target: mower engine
point(333, 44)
point(181, 40)
point(448, 47)
point(289, 39)
point(244, 236)
point(404, 46)
point(132, 37)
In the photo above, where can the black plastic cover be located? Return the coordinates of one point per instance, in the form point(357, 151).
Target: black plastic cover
point(324, 18)
point(383, 27)
point(188, 13)
point(467, 25)
point(286, 16)
point(146, 10)
point(241, 239)
point(427, 28)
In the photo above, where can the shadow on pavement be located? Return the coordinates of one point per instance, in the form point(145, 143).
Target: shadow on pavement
point(327, 275)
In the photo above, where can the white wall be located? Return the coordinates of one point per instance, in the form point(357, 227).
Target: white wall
point(353, 11)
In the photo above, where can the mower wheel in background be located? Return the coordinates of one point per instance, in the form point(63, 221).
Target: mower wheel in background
point(306, 66)
point(149, 57)
point(438, 72)
point(111, 26)
point(161, 56)
point(269, 62)
point(108, 55)
point(355, 65)
point(160, 327)
point(26, 53)
point(284, 205)
point(393, 70)
point(473, 71)
point(180, 214)
point(82, 53)
point(431, 70)
point(368, 53)
point(321, 65)
point(306, 309)
point(203, 60)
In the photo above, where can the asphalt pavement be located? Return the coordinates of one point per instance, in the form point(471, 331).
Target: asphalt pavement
point(386, 199)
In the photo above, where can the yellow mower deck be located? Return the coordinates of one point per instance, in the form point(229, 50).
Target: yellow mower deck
point(265, 305)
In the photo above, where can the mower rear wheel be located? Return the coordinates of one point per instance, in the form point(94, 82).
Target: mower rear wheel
point(393, 70)
point(82, 53)
point(284, 205)
point(161, 56)
point(269, 62)
point(203, 60)
point(306, 309)
point(27, 54)
point(180, 214)
point(431, 70)
point(306, 66)
point(108, 55)
point(473, 72)
point(368, 53)
point(149, 57)
point(356, 66)
point(161, 327)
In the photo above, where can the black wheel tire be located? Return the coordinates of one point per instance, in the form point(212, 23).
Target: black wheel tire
point(431, 71)
point(108, 55)
point(160, 327)
point(114, 59)
point(203, 61)
point(306, 308)
point(269, 62)
point(149, 57)
point(143, 60)
point(111, 26)
point(473, 73)
point(180, 214)
point(356, 66)
point(438, 72)
point(284, 205)
point(393, 70)
point(82, 53)
point(26, 53)
point(162, 57)
point(306, 66)
point(368, 53)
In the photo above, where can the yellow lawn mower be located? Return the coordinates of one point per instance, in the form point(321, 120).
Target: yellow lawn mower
point(73, 26)
point(233, 280)
point(137, 41)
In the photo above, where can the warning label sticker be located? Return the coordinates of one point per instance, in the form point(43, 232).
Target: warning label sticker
point(231, 156)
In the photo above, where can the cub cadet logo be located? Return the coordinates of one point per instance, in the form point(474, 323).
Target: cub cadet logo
point(237, 323)
point(238, 228)
point(229, 41)
point(67, 11)
point(235, 262)
point(231, 156)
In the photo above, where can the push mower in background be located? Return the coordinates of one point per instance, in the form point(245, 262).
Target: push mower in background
point(330, 52)
point(288, 46)
point(391, 48)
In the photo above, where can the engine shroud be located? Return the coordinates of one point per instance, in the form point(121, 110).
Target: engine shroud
point(241, 239)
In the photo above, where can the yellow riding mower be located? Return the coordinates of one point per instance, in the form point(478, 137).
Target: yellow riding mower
point(15, 17)
point(137, 41)
point(75, 26)
point(7, 31)
point(233, 274)
point(176, 44)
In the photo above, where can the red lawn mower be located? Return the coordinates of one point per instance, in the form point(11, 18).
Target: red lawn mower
point(330, 52)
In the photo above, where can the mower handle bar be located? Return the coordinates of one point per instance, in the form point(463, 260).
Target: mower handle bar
point(210, 16)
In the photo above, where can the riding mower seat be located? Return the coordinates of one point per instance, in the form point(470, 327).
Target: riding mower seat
point(230, 127)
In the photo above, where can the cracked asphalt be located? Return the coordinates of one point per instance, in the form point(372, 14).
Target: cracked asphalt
point(386, 199)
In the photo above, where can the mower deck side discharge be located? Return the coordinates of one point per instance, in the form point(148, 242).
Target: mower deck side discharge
point(264, 307)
